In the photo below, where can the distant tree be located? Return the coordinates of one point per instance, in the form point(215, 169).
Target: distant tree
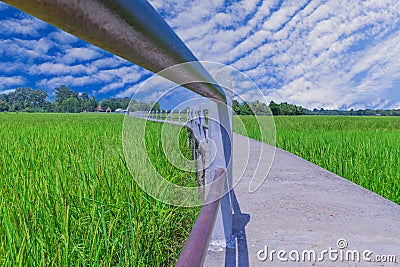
point(84, 101)
point(4, 97)
point(38, 98)
point(67, 100)
point(236, 107)
point(259, 108)
point(125, 102)
point(138, 106)
point(300, 110)
point(49, 106)
point(275, 108)
point(4, 105)
point(63, 93)
point(27, 99)
point(93, 103)
point(155, 106)
point(245, 109)
point(71, 105)
point(115, 103)
point(287, 109)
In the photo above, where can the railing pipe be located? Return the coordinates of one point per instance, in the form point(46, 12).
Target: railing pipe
point(193, 253)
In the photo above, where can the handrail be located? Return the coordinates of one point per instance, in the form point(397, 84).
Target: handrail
point(132, 30)
point(190, 121)
point(135, 31)
point(199, 131)
point(193, 253)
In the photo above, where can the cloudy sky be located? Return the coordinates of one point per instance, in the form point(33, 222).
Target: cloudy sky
point(330, 54)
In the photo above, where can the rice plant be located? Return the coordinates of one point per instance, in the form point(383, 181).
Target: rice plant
point(364, 150)
point(68, 199)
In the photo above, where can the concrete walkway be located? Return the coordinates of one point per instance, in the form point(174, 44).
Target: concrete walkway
point(301, 206)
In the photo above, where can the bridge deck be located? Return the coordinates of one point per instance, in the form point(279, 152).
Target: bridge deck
point(301, 206)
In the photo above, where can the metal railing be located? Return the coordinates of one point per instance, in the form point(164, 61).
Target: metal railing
point(194, 251)
point(195, 120)
point(135, 31)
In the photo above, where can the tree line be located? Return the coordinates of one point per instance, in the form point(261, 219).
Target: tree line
point(258, 108)
point(285, 109)
point(352, 112)
point(65, 100)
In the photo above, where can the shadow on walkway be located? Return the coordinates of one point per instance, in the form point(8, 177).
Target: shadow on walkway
point(237, 255)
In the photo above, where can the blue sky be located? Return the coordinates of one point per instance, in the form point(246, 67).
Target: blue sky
point(330, 54)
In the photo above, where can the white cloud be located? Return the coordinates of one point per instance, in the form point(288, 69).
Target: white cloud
point(41, 45)
point(122, 77)
point(109, 62)
point(64, 80)
point(113, 78)
point(312, 56)
point(50, 68)
point(11, 67)
point(24, 50)
point(395, 106)
point(27, 26)
point(11, 81)
point(63, 37)
point(79, 54)
point(128, 92)
point(7, 91)
point(319, 53)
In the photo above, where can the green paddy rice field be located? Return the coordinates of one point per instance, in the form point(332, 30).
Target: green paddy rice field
point(364, 150)
point(68, 198)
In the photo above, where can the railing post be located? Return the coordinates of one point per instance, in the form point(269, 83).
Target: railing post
point(203, 123)
point(179, 116)
point(198, 120)
point(220, 133)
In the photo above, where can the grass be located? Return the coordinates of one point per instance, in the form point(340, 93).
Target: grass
point(68, 198)
point(364, 150)
point(154, 152)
